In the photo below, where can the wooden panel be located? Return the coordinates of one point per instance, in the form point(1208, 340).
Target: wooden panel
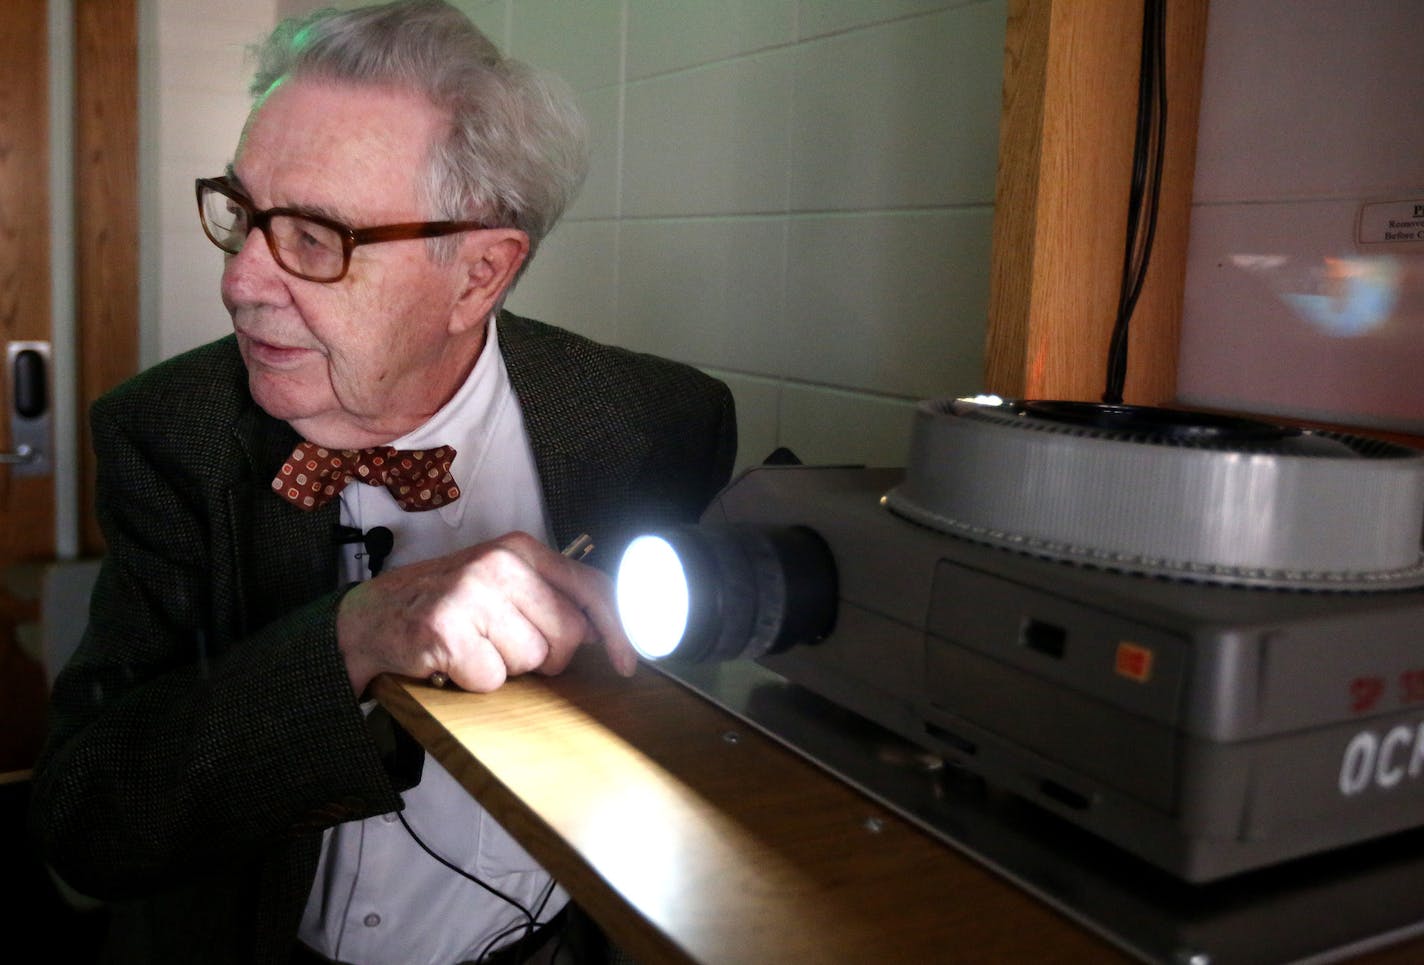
point(1060, 223)
point(686, 845)
point(26, 504)
point(106, 215)
point(1016, 197)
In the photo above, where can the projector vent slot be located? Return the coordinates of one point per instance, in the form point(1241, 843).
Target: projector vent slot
point(1046, 638)
point(952, 740)
point(1064, 795)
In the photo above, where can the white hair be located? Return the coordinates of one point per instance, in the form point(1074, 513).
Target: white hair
point(516, 151)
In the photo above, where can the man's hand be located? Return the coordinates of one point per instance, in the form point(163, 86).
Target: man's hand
point(486, 613)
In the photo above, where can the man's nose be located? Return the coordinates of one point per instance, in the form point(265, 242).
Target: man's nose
point(252, 275)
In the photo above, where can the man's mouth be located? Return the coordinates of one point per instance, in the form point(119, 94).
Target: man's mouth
point(273, 354)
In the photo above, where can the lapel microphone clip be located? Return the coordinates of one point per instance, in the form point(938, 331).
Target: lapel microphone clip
point(376, 541)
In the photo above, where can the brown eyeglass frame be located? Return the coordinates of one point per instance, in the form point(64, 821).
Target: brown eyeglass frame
point(351, 238)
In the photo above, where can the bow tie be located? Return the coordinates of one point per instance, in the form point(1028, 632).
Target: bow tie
point(418, 479)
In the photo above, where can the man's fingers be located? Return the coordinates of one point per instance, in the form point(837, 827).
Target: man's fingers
point(588, 589)
point(480, 669)
point(592, 592)
point(497, 610)
point(539, 625)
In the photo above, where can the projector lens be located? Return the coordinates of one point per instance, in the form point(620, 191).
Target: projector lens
point(707, 593)
point(652, 596)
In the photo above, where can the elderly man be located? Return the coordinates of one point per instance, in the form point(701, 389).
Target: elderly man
point(213, 770)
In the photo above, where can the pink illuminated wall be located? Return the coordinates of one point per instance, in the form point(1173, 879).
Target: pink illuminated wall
point(1305, 276)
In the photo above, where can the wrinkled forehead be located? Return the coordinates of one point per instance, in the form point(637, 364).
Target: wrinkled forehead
point(310, 140)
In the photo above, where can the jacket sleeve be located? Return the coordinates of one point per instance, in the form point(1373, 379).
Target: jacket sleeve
point(175, 746)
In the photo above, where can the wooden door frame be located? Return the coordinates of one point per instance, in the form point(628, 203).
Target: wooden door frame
point(106, 222)
point(27, 532)
point(100, 343)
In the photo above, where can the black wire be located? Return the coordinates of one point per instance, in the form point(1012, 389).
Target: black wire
point(544, 901)
point(529, 918)
point(490, 946)
point(1145, 190)
point(1142, 194)
point(1159, 42)
point(1138, 191)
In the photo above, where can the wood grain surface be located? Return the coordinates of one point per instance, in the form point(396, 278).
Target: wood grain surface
point(691, 837)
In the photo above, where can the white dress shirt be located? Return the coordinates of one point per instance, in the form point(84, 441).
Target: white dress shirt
point(378, 897)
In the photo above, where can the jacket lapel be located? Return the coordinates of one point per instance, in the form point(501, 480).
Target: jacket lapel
point(584, 446)
point(286, 556)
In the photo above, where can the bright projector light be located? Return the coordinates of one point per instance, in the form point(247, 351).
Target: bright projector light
point(699, 593)
point(652, 596)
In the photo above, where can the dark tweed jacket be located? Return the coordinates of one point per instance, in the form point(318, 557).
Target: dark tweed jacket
point(204, 733)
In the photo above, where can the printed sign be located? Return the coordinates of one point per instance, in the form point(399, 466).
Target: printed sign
point(1392, 223)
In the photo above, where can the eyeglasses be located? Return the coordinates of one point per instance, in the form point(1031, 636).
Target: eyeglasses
point(304, 244)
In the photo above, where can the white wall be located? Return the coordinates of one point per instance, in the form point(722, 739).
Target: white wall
point(193, 101)
point(1310, 109)
point(795, 196)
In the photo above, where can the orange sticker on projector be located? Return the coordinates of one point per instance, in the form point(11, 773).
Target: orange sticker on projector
point(1134, 662)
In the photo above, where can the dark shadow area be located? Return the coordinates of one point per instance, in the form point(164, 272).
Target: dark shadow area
point(35, 915)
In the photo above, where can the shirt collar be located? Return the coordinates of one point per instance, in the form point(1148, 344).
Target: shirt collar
point(466, 423)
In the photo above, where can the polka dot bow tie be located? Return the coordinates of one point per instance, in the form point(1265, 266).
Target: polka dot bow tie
point(418, 479)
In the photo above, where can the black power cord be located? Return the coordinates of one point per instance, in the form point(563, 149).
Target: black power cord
point(530, 918)
point(1146, 188)
point(492, 945)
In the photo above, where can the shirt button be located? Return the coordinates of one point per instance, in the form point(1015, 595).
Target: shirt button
point(389, 818)
point(371, 920)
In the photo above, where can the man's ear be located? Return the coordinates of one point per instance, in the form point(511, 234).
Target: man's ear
point(492, 258)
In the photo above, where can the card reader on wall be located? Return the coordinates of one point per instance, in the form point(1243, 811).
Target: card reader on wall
point(1197, 638)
